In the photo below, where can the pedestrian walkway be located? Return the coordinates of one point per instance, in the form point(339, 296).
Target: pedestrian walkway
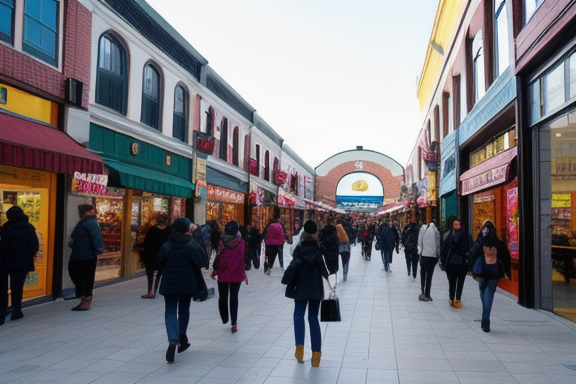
point(386, 336)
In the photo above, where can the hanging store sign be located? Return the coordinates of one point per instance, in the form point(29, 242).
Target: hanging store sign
point(225, 195)
point(89, 183)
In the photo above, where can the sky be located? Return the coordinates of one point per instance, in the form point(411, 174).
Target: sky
point(326, 75)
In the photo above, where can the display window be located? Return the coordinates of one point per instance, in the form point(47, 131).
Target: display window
point(500, 206)
point(224, 205)
point(109, 213)
point(287, 220)
point(562, 137)
point(261, 215)
point(31, 191)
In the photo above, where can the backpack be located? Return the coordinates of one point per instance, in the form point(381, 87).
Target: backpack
point(410, 238)
point(202, 236)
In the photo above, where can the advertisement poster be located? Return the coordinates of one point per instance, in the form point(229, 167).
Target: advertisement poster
point(512, 219)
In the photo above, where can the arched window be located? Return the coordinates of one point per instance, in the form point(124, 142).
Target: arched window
point(180, 118)
point(267, 166)
point(112, 74)
point(150, 114)
point(257, 160)
point(247, 153)
point(275, 169)
point(235, 146)
point(210, 121)
point(224, 139)
point(478, 66)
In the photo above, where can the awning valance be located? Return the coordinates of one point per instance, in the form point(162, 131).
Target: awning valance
point(491, 172)
point(24, 143)
point(132, 176)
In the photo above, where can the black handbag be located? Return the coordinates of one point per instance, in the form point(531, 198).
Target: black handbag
point(330, 309)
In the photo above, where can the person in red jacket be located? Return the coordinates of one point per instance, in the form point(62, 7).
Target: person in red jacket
point(274, 239)
point(229, 267)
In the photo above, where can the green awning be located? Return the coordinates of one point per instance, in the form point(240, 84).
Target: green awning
point(131, 176)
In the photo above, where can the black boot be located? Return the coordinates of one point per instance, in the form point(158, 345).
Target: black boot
point(16, 314)
point(171, 350)
point(184, 344)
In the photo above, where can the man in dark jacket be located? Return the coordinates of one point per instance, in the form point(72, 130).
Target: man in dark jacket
point(155, 238)
point(87, 243)
point(18, 246)
point(409, 241)
point(388, 239)
point(178, 258)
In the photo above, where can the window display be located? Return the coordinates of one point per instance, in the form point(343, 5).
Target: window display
point(109, 213)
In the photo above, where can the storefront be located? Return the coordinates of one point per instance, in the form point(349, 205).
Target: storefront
point(262, 203)
point(492, 189)
point(33, 158)
point(144, 180)
point(286, 202)
point(224, 205)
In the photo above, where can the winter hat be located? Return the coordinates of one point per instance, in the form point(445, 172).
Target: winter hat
point(310, 227)
point(231, 228)
point(181, 225)
point(15, 213)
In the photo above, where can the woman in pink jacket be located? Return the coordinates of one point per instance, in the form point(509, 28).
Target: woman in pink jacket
point(274, 239)
point(229, 267)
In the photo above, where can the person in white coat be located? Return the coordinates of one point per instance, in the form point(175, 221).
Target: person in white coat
point(429, 250)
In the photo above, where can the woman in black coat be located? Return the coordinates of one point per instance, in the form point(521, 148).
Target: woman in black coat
point(309, 292)
point(18, 246)
point(454, 257)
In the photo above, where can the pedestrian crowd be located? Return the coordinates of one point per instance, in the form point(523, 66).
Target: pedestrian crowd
point(173, 256)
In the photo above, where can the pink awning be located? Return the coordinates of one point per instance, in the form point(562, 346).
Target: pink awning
point(491, 172)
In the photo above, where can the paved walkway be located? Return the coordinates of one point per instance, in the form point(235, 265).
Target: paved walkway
point(386, 336)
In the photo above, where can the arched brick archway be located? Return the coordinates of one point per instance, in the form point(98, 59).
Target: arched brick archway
point(331, 171)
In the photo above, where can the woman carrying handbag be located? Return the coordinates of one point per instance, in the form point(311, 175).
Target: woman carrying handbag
point(309, 292)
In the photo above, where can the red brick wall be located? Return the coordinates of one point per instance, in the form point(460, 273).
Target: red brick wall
point(22, 71)
point(326, 186)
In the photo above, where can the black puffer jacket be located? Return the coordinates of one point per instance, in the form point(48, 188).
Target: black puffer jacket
point(18, 243)
point(175, 258)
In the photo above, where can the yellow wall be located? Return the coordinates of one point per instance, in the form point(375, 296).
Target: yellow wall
point(25, 104)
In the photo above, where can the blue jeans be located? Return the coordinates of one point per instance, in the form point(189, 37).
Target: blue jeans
point(176, 324)
point(299, 329)
point(386, 258)
point(487, 297)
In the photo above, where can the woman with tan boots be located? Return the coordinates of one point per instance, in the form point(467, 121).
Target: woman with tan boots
point(309, 292)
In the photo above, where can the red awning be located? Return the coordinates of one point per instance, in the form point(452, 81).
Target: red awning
point(27, 144)
point(491, 172)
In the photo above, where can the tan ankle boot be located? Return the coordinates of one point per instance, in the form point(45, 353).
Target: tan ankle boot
point(316, 359)
point(457, 304)
point(299, 354)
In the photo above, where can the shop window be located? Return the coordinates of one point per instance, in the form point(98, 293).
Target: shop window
point(112, 74)
point(41, 30)
point(478, 66)
point(150, 113)
point(235, 146)
point(180, 117)
point(553, 89)
point(502, 51)
point(7, 21)
point(535, 97)
point(224, 139)
point(572, 75)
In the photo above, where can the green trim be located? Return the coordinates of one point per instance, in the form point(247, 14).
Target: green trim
point(131, 176)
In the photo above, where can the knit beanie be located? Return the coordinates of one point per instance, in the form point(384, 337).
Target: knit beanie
point(181, 225)
point(310, 227)
point(231, 228)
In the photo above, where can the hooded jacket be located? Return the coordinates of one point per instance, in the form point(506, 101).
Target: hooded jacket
point(175, 258)
point(274, 234)
point(230, 259)
point(18, 244)
point(310, 286)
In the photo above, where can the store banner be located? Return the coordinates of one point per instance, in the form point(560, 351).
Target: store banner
point(225, 195)
point(89, 183)
point(513, 222)
point(200, 177)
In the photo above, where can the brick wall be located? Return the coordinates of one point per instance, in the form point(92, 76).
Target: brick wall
point(23, 71)
point(326, 186)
